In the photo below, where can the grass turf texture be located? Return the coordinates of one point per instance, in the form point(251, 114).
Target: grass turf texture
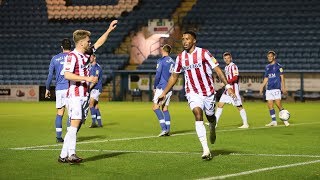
point(112, 152)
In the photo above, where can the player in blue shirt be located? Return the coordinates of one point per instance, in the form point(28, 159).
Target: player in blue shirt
point(165, 67)
point(56, 66)
point(96, 90)
point(274, 79)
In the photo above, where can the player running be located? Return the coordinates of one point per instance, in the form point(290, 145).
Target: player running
point(197, 64)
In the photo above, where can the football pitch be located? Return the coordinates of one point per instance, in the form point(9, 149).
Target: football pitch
point(127, 147)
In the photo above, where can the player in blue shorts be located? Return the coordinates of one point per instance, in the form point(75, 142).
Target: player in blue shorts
point(96, 89)
point(165, 66)
point(56, 66)
point(275, 81)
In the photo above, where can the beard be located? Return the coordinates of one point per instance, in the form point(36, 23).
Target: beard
point(89, 51)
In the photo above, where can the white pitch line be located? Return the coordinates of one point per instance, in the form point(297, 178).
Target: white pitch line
point(261, 170)
point(124, 151)
point(173, 152)
point(277, 155)
point(149, 137)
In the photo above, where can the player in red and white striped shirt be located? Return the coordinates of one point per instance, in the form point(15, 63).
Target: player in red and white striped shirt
point(198, 65)
point(232, 74)
point(77, 72)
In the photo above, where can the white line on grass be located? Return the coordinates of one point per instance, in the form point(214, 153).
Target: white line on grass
point(117, 151)
point(149, 137)
point(171, 152)
point(261, 170)
point(277, 155)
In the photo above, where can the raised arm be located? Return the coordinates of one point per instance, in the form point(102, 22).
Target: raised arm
point(104, 36)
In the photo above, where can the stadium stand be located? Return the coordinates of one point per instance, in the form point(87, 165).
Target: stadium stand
point(30, 36)
point(28, 39)
point(248, 29)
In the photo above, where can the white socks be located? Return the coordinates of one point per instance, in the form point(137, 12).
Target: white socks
point(73, 139)
point(243, 115)
point(201, 132)
point(69, 144)
point(218, 113)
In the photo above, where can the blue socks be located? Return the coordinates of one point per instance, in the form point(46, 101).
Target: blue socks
point(58, 126)
point(273, 114)
point(93, 115)
point(98, 117)
point(167, 119)
point(161, 119)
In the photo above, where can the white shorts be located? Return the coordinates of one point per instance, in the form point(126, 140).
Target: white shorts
point(94, 94)
point(75, 107)
point(229, 100)
point(61, 98)
point(273, 94)
point(206, 103)
point(166, 99)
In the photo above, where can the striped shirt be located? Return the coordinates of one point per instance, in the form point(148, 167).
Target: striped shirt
point(231, 71)
point(197, 68)
point(77, 63)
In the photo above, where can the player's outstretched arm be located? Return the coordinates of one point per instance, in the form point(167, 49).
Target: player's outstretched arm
point(223, 78)
point(265, 81)
point(104, 36)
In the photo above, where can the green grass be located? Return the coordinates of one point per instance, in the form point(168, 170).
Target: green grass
point(108, 155)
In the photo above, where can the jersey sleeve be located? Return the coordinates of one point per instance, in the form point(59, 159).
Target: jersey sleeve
point(265, 72)
point(92, 70)
point(178, 65)
point(69, 63)
point(158, 74)
point(235, 74)
point(50, 74)
point(210, 59)
point(280, 69)
point(95, 72)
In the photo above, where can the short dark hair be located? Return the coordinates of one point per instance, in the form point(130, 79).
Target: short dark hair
point(66, 44)
point(226, 54)
point(272, 52)
point(193, 34)
point(167, 48)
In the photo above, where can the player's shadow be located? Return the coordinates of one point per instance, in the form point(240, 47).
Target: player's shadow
point(111, 124)
point(182, 131)
point(104, 156)
point(222, 152)
point(85, 138)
